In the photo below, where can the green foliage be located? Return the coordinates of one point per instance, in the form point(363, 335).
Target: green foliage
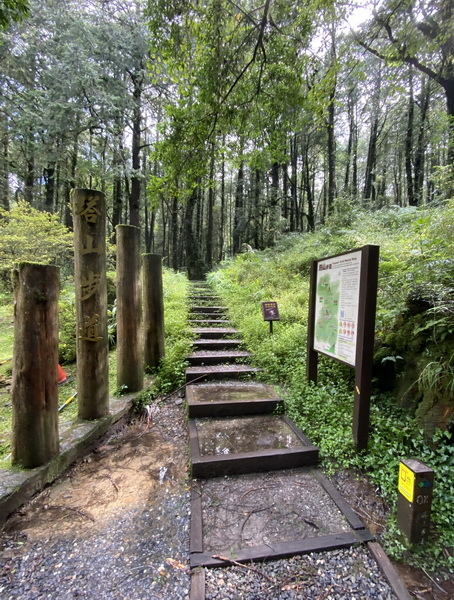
point(29, 235)
point(414, 335)
point(67, 324)
point(13, 10)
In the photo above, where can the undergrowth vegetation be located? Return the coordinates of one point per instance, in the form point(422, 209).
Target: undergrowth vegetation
point(412, 407)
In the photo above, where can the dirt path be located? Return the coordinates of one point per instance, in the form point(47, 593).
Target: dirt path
point(114, 526)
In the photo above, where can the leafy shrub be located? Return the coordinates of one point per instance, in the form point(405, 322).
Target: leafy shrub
point(30, 235)
point(67, 324)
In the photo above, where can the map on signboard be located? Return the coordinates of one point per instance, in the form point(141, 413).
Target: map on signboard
point(336, 306)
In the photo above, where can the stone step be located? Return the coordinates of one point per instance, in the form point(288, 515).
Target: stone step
point(216, 344)
point(204, 295)
point(209, 322)
point(220, 399)
point(230, 446)
point(215, 332)
point(206, 357)
point(203, 316)
point(219, 372)
point(209, 309)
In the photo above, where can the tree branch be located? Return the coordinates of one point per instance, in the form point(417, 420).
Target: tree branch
point(410, 60)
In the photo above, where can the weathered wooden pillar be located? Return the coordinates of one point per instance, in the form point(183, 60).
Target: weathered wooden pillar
point(89, 217)
point(129, 309)
point(34, 387)
point(153, 310)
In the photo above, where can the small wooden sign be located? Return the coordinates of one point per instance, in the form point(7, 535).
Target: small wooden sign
point(414, 500)
point(270, 311)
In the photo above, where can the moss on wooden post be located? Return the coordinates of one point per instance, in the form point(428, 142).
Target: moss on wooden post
point(89, 217)
point(153, 310)
point(129, 309)
point(34, 386)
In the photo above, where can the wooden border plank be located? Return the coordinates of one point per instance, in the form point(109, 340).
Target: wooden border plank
point(194, 442)
point(342, 504)
point(389, 571)
point(280, 549)
point(299, 432)
point(196, 528)
point(197, 585)
point(234, 408)
point(254, 462)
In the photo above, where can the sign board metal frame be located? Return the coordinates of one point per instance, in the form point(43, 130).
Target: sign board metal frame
point(355, 288)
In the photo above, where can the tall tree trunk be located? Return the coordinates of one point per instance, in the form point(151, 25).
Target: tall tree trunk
point(294, 210)
point(370, 175)
point(70, 180)
point(285, 206)
point(174, 232)
point(257, 209)
point(200, 205)
point(350, 165)
point(134, 197)
point(209, 228)
point(355, 186)
point(222, 215)
point(49, 181)
point(331, 191)
point(309, 192)
point(29, 182)
point(420, 146)
point(4, 167)
point(196, 269)
point(238, 219)
point(165, 252)
point(274, 209)
point(409, 142)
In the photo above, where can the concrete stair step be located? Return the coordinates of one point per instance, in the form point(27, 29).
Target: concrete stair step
point(209, 322)
point(216, 344)
point(219, 372)
point(233, 398)
point(215, 332)
point(207, 357)
point(209, 309)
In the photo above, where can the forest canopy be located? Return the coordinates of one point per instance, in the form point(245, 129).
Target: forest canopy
point(219, 125)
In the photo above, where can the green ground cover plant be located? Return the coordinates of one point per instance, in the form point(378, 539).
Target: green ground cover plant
point(412, 406)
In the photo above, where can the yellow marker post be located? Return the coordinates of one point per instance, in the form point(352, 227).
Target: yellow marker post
point(414, 500)
point(406, 484)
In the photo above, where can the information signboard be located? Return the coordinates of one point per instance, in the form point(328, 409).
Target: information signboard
point(342, 322)
point(336, 306)
point(270, 311)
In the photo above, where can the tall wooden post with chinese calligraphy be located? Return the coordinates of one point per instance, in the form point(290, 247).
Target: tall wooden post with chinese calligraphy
point(153, 310)
point(34, 388)
point(129, 309)
point(89, 217)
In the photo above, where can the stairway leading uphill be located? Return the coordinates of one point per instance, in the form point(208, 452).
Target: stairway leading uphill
point(256, 493)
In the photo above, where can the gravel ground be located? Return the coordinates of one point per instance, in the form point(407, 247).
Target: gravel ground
point(338, 575)
point(116, 526)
